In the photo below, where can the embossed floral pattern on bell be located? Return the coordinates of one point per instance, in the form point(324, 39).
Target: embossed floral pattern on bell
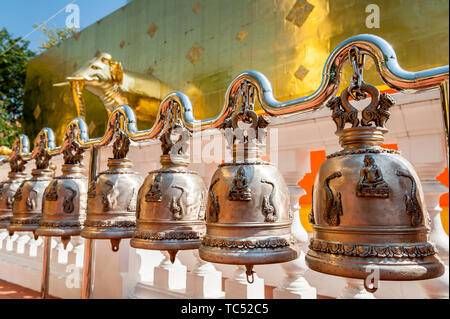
point(368, 204)
point(248, 219)
point(171, 201)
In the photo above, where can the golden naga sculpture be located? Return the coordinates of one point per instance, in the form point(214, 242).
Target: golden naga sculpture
point(115, 86)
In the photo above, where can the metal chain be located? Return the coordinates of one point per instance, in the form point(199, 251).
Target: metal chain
point(357, 61)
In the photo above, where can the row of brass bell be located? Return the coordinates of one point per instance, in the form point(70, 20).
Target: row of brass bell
point(367, 201)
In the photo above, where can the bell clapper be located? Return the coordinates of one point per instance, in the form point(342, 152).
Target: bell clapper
point(65, 241)
point(172, 254)
point(36, 236)
point(115, 244)
point(11, 233)
point(250, 273)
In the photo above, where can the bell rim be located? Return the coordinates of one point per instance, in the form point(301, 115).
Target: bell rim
point(350, 267)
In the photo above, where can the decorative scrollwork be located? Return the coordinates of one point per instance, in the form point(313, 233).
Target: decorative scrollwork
point(30, 221)
point(68, 203)
point(19, 192)
point(109, 199)
point(243, 102)
point(377, 112)
point(341, 114)
point(174, 126)
point(371, 251)
point(16, 161)
point(214, 207)
point(110, 223)
point(172, 235)
point(132, 202)
point(92, 190)
point(60, 224)
point(40, 153)
point(413, 208)
point(363, 151)
point(72, 150)
point(177, 207)
point(52, 194)
point(311, 217)
point(121, 146)
point(31, 200)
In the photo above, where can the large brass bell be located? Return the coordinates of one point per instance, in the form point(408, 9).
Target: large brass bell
point(64, 199)
point(111, 210)
point(248, 217)
point(171, 201)
point(9, 187)
point(27, 205)
point(368, 212)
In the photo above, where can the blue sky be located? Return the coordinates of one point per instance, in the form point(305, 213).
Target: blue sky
point(19, 16)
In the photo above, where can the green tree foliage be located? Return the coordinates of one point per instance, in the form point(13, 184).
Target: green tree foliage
point(14, 56)
point(54, 36)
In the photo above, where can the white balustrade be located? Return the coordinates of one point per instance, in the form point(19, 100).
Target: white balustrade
point(415, 126)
